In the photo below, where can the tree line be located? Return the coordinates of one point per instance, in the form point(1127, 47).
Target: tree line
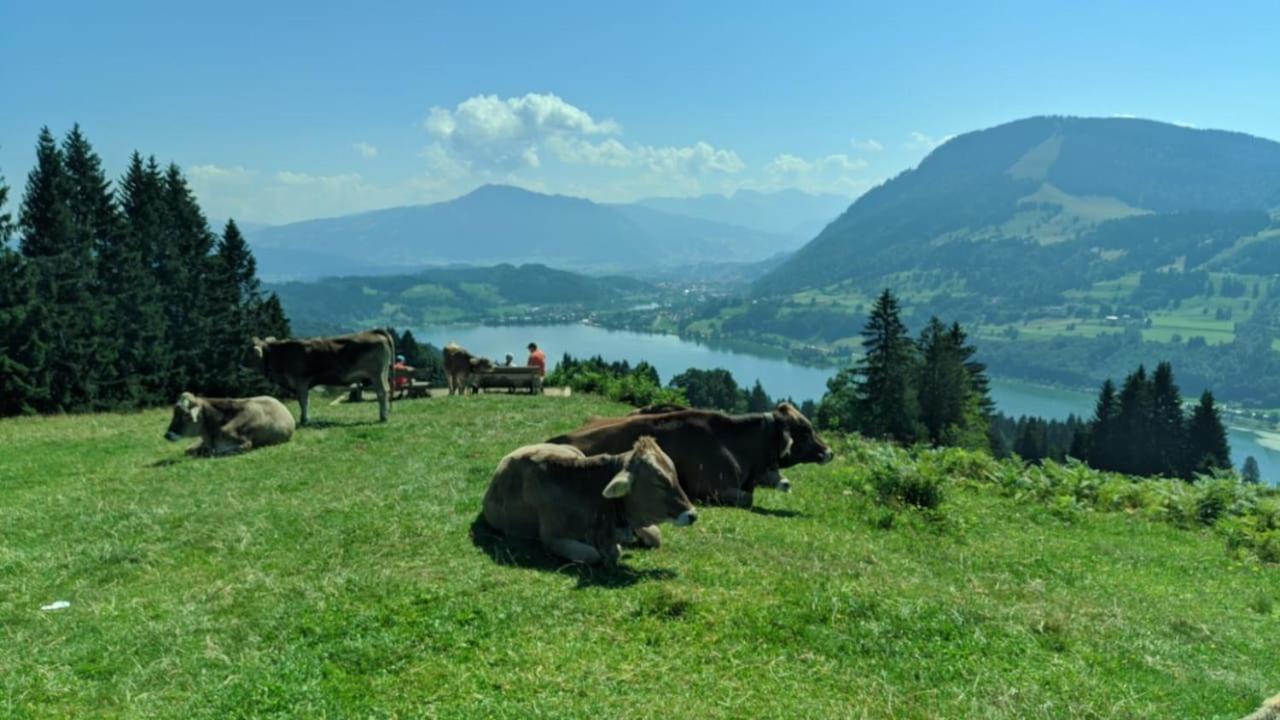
point(119, 295)
point(930, 390)
point(1142, 429)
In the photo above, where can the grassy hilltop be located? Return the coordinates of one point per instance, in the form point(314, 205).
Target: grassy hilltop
point(336, 577)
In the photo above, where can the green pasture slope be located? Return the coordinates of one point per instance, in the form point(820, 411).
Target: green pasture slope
point(336, 577)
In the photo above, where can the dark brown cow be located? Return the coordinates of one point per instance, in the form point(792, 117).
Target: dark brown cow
point(720, 458)
point(576, 505)
point(229, 425)
point(458, 366)
point(305, 363)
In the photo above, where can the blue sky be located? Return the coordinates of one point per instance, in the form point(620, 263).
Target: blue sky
point(284, 111)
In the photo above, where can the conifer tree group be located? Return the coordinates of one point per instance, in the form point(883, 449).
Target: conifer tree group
point(1143, 430)
point(118, 297)
point(927, 390)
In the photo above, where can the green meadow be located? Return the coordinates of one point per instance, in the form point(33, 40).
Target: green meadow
point(343, 575)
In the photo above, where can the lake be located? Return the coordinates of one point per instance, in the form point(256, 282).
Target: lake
point(671, 355)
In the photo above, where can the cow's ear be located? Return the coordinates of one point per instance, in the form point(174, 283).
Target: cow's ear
point(619, 486)
point(270, 339)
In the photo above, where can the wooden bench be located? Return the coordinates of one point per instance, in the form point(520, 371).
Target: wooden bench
point(511, 378)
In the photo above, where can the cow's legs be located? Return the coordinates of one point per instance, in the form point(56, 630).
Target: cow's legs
point(304, 400)
point(382, 388)
point(574, 551)
point(649, 536)
point(464, 380)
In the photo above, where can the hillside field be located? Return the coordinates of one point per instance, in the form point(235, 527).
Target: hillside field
point(336, 576)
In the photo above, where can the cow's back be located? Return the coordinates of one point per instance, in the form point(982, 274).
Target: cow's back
point(686, 437)
point(272, 423)
point(335, 360)
point(510, 503)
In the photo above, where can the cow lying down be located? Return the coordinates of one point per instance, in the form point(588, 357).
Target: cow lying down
point(578, 505)
point(720, 458)
point(229, 425)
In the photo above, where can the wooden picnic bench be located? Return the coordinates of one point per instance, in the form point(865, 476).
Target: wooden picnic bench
point(511, 378)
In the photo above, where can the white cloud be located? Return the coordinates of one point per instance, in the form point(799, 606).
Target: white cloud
point(504, 134)
point(868, 145)
point(917, 140)
point(365, 149)
point(287, 195)
point(833, 173)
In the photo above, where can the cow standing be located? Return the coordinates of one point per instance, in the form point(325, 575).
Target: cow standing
point(229, 425)
point(305, 363)
point(577, 505)
point(720, 458)
point(458, 366)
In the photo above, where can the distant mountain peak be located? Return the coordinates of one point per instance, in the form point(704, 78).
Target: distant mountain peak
point(1045, 180)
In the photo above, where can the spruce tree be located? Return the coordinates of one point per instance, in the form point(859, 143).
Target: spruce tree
point(1249, 471)
point(1168, 427)
point(128, 275)
point(885, 398)
point(270, 320)
point(758, 399)
point(63, 266)
point(1207, 438)
point(1103, 429)
point(21, 355)
point(96, 223)
point(946, 387)
point(234, 305)
point(1135, 436)
point(183, 264)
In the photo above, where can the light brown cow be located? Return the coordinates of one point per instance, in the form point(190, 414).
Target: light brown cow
point(459, 365)
point(302, 364)
point(576, 505)
point(229, 425)
point(1270, 710)
point(720, 458)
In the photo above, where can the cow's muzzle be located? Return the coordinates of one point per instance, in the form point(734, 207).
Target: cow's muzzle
point(784, 485)
point(827, 456)
point(688, 517)
point(172, 436)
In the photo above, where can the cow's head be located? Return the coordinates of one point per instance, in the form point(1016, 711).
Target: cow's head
point(255, 356)
point(650, 489)
point(797, 441)
point(186, 418)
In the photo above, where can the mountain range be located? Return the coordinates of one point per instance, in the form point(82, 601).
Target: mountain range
point(498, 223)
point(1106, 196)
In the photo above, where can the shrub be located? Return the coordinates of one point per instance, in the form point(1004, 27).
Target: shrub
point(907, 484)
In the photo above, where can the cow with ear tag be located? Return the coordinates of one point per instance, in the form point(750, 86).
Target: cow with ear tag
point(229, 425)
point(575, 504)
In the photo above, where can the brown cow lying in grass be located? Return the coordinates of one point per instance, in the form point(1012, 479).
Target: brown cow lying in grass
point(229, 425)
point(576, 505)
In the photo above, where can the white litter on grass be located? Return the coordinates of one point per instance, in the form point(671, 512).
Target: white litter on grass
point(56, 605)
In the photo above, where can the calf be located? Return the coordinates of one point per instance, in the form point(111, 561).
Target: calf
point(458, 366)
point(578, 505)
point(302, 364)
point(720, 458)
point(229, 425)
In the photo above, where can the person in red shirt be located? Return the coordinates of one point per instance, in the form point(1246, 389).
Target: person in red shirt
point(537, 359)
point(402, 375)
